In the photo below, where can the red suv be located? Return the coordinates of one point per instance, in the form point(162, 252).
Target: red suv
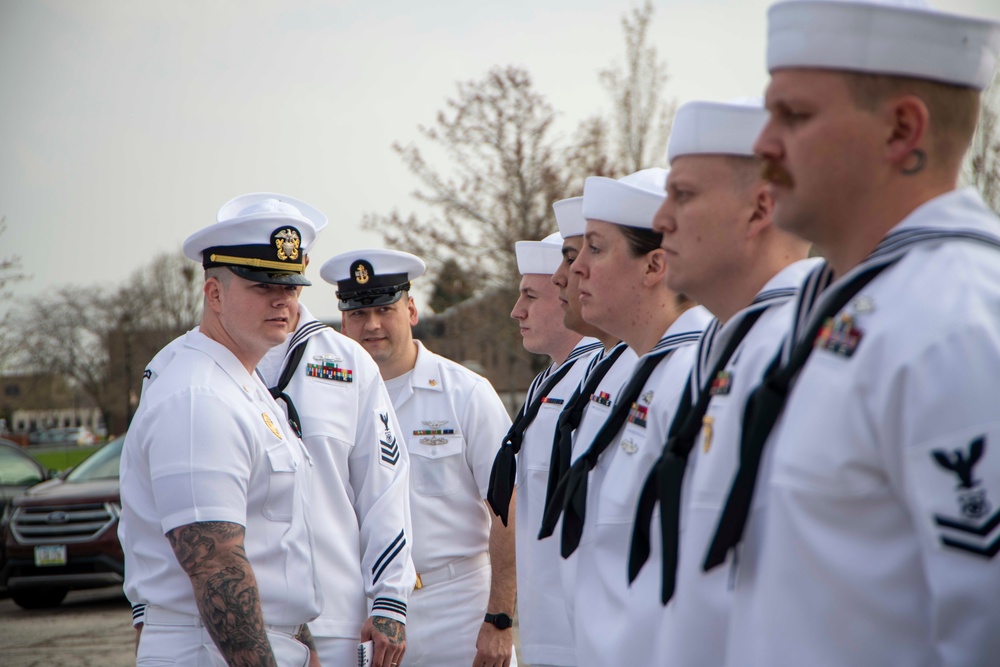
point(62, 534)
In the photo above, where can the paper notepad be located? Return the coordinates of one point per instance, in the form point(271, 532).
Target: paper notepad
point(365, 650)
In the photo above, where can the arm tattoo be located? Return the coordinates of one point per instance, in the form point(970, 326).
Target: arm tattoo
point(394, 630)
point(196, 543)
point(225, 589)
point(306, 638)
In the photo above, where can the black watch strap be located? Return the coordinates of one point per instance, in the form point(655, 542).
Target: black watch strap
point(501, 621)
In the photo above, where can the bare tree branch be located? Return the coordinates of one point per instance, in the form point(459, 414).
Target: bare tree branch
point(982, 166)
point(641, 116)
point(504, 175)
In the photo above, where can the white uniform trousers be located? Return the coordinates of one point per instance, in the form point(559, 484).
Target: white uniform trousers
point(336, 651)
point(443, 620)
point(190, 645)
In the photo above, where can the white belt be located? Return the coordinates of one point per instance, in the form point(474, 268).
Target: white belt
point(452, 570)
point(161, 616)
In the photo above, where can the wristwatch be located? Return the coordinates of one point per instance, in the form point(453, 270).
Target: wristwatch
point(501, 621)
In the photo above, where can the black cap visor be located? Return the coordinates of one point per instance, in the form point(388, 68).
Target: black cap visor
point(357, 300)
point(269, 277)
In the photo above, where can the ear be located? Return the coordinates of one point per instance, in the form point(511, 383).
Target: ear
point(763, 207)
point(656, 268)
point(909, 120)
point(214, 294)
point(411, 306)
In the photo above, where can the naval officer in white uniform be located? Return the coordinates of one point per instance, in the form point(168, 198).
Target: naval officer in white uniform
point(546, 639)
point(333, 392)
point(452, 423)
point(873, 532)
point(213, 479)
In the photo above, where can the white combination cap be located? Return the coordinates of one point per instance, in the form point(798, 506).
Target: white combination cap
point(569, 217)
point(631, 201)
point(716, 128)
point(261, 237)
point(542, 257)
point(901, 38)
point(264, 201)
point(371, 277)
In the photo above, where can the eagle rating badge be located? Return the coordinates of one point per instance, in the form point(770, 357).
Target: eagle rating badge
point(971, 529)
point(388, 447)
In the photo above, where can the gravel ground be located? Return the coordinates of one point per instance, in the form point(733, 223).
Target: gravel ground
point(89, 629)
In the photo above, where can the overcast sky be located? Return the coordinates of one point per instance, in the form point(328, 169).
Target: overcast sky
point(125, 124)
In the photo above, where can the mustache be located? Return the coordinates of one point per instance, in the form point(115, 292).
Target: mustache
point(772, 173)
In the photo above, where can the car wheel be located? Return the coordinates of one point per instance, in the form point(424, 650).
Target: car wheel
point(39, 598)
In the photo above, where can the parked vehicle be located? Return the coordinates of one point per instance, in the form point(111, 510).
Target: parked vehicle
point(18, 471)
point(72, 435)
point(62, 535)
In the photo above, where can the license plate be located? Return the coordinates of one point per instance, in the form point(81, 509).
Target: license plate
point(50, 555)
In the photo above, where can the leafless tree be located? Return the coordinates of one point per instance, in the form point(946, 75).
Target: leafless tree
point(490, 168)
point(641, 115)
point(67, 335)
point(982, 168)
point(590, 154)
point(451, 286)
point(166, 294)
point(10, 272)
point(10, 266)
point(503, 175)
point(100, 339)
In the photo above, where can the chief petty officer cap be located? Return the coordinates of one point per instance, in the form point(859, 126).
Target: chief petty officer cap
point(631, 201)
point(716, 128)
point(569, 217)
point(367, 278)
point(901, 38)
point(262, 237)
point(542, 257)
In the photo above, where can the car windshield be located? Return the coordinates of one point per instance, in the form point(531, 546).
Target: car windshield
point(102, 464)
point(16, 469)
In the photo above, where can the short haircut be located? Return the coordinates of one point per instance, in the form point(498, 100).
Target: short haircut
point(640, 241)
point(746, 170)
point(954, 110)
point(220, 273)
